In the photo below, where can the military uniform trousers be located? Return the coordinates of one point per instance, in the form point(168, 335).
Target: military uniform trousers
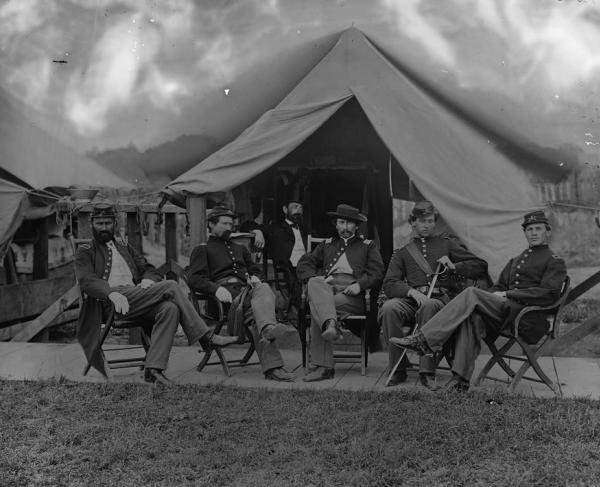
point(167, 305)
point(471, 314)
point(326, 302)
point(398, 317)
point(260, 305)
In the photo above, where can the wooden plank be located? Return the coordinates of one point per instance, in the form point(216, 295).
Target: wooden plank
point(40, 250)
point(33, 327)
point(574, 335)
point(67, 316)
point(133, 208)
point(196, 206)
point(583, 287)
point(24, 300)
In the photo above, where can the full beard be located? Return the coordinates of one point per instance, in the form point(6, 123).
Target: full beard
point(103, 236)
point(298, 219)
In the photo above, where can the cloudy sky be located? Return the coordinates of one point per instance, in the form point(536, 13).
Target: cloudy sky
point(106, 74)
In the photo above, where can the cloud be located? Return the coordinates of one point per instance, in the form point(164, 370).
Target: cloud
point(415, 24)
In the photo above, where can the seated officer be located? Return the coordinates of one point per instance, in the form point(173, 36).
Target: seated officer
point(285, 242)
point(535, 277)
point(225, 269)
point(407, 281)
point(110, 271)
point(338, 271)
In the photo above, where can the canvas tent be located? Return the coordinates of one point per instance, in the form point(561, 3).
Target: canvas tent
point(32, 160)
point(464, 169)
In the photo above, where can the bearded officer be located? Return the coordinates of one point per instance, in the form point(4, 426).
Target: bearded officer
point(111, 272)
point(535, 277)
point(338, 271)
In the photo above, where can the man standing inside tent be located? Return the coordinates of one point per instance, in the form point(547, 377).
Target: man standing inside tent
point(285, 243)
point(113, 274)
point(407, 282)
point(535, 277)
point(225, 269)
point(339, 271)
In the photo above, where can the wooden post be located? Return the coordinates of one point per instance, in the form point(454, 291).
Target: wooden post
point(40, 251)
point(170, 240)
point(134, 238)
point(196, 207)
point(84, 225)
point(134, 233)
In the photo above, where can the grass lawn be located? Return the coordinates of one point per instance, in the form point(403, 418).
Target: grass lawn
point(123, 434)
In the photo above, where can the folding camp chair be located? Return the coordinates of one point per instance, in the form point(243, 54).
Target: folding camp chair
point(118, 357)
point(351, 352)
point(531, 352)
point(214, 313)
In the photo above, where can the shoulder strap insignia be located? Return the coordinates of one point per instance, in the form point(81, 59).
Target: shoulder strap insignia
point(367, 241)
point(328, 240)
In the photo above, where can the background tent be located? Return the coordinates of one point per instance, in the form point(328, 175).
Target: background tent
point(32, 160)
point(149, 89)
point(481, 192)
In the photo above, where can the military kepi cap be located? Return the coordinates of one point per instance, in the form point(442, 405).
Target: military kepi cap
point(348, 212)
point(534, 217)
point(423, 208)
point(218, 211)
point(103, 210)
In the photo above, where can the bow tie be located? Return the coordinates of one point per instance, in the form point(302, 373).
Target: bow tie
point(294, 226)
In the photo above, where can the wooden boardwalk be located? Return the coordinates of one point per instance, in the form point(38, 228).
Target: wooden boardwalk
point(579, 377)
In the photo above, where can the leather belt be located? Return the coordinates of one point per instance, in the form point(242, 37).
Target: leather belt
point(230, 280)
point(436, 290)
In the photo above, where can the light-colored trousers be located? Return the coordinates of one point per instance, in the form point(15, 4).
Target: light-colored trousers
point(261, 304)
point(471, 314)
point(165, 305)
point(326, 302)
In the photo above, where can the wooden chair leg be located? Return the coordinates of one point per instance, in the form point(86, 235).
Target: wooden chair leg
point(108, 325)
point(532, 362)
point(363, 349)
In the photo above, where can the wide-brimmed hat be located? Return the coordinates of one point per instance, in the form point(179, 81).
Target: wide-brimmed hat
point(423, 208)
point(103, 210)
point(537, 216)
point(218, 211)
point(348, 212)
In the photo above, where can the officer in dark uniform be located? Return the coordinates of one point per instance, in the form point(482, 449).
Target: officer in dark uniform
point(338, 271)
point(407, 282)
point(225, 269)
point(535, 277)
point(111, 272)
point(285, 244)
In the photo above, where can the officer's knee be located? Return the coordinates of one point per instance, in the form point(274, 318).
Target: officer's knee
point(169, 309)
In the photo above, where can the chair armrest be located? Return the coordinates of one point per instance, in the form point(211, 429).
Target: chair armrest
point(197, 297)
point(552, 309)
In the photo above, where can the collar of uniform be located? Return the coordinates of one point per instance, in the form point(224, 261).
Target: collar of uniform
point(539, 247)
point(214, 238)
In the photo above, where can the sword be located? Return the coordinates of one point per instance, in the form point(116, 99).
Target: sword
point(439, 270)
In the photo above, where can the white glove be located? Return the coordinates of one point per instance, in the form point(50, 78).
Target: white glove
point(223, 295)
point(146, 283)
point(120, 302)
